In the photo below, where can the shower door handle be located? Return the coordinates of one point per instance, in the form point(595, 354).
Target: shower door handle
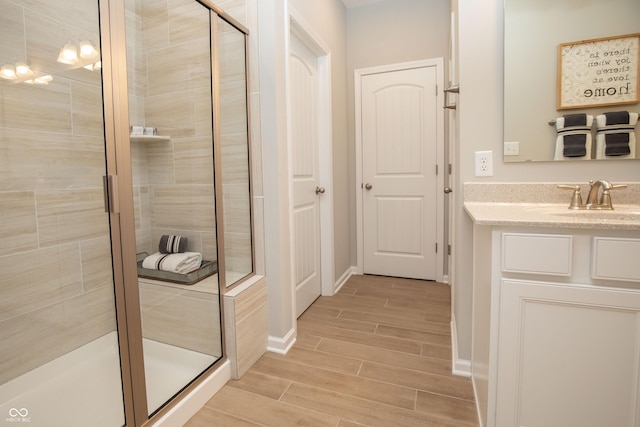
point(110, 188)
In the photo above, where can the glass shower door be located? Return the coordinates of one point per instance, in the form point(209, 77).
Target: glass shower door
point(59, 355)
point(233, 135)
point(171, 116)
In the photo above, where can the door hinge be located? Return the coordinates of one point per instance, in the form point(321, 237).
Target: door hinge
point(450, 168)
point(436, 247)
point(448, 249)
point(437, 170)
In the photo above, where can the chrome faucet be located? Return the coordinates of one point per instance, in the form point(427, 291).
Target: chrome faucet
point(599, 197)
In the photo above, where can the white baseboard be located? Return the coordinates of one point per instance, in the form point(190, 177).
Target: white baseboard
point(195, 400)
point(460, 367)
point(281, 345)
point(343, 279)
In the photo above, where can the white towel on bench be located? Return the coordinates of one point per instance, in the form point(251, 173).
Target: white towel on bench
point(182, 263)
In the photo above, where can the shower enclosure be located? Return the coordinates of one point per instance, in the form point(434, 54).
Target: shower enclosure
point(121, 122)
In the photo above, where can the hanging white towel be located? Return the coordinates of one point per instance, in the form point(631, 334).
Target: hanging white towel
point(616, 136)
point(182, 263)
point(573, 140)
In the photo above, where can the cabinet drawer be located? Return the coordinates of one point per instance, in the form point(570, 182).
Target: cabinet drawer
point(616, 259)
point(548, 254)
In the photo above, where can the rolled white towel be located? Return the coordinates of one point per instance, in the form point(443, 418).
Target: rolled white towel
point(182, 263)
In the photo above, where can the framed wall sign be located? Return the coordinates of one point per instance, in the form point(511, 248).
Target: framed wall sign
point(598, 72)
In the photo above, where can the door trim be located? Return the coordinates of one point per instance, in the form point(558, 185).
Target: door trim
point(303, 31)
point(440, 148)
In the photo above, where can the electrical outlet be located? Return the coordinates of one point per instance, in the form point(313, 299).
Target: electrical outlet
point(484, 163)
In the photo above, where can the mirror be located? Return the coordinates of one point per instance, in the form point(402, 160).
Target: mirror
point(533, 29)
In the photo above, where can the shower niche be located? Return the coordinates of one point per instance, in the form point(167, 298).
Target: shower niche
point(86, 339)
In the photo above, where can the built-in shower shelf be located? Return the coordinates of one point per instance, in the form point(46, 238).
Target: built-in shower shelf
point(149, 138)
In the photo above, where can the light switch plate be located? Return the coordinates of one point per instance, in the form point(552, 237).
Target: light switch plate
point(511, 148)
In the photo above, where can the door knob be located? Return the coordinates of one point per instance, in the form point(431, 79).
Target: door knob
point(320, 190)
point(447, 190)
point(368, 186)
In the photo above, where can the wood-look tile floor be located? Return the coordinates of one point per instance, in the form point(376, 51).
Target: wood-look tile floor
point(378, 353)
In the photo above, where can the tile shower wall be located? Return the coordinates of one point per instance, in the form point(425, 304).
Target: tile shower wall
point(169, 89)
point(55, 257)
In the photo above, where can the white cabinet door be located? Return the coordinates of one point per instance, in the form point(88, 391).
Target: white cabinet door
point(569, 355)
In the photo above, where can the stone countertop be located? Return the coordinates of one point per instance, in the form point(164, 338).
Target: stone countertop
point(623, 217)
point(542, 204)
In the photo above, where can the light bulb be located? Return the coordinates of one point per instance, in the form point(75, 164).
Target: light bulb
point(23, 70)
point(44, 80)
point(87, 51)
point(68, 54)
point(8, 72)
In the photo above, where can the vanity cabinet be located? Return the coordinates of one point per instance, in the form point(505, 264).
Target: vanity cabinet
point(556, 332)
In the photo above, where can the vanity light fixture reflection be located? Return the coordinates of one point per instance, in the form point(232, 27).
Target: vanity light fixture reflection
point(94, 66)
point(21, 72)
point(8, 72)
point(42, 80)
point(85, 55)
point(68, 54)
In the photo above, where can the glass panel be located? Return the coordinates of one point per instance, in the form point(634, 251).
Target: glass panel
point(170, 105)
point(59, 363)
point(234, 163)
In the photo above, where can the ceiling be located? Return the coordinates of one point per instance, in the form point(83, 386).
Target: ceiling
point(355, 3)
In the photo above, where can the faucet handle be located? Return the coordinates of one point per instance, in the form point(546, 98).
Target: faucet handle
point(568, 187)
point(576, 197)
point(605, 200)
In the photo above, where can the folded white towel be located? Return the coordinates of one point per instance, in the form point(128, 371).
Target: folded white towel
point(616, 136)
point(182, 263)
point(573, 140)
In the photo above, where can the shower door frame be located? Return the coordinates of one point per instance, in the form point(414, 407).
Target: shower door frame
point(120, 206)
point(119, 201)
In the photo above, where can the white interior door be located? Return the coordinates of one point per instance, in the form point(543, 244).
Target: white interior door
point(399, 158)
point(304, 97)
